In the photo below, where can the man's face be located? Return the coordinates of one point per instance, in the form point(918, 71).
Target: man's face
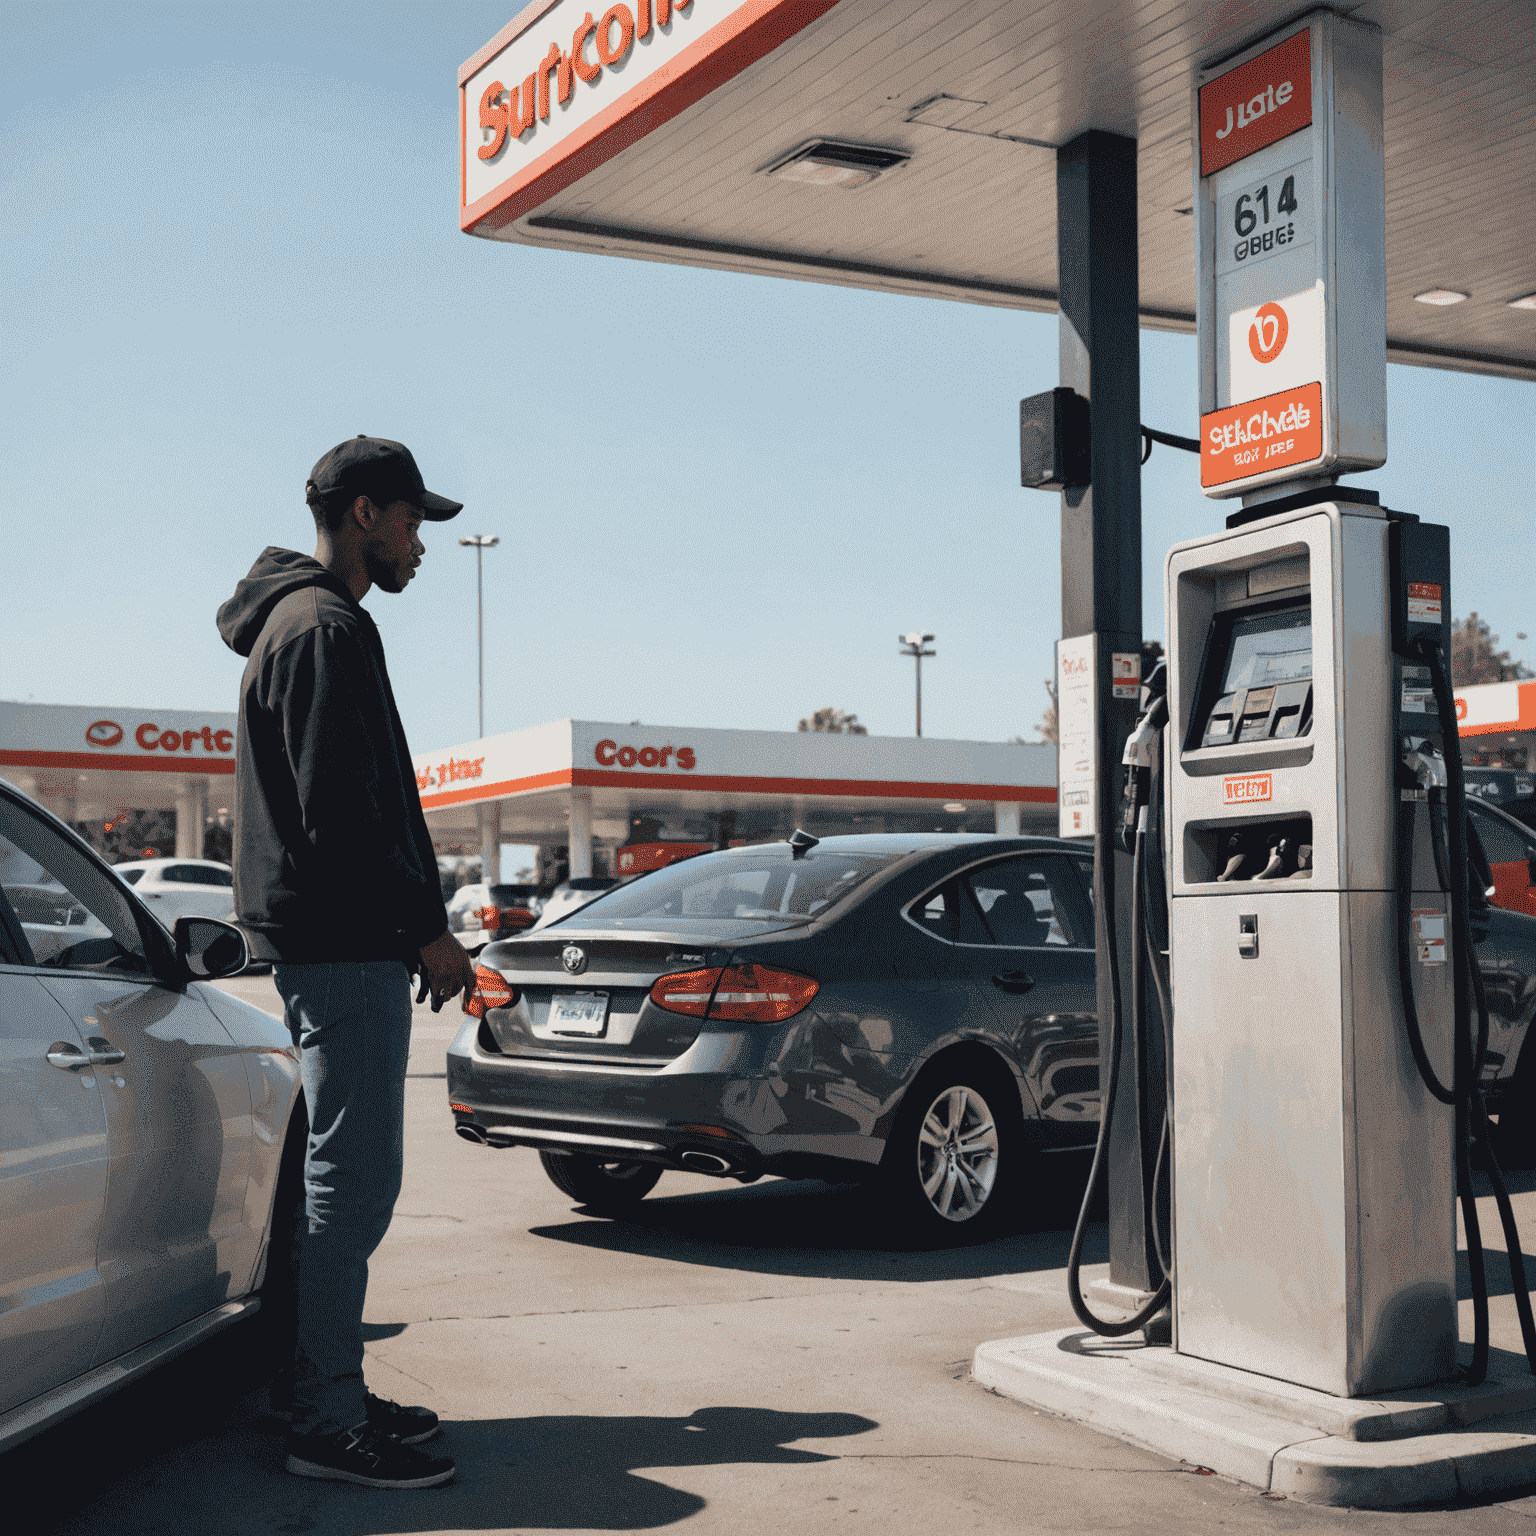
point(392, 547)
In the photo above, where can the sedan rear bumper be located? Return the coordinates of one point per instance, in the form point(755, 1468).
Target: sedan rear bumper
point(752, 1114)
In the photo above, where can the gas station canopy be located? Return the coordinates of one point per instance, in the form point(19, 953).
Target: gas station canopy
point(909, 147)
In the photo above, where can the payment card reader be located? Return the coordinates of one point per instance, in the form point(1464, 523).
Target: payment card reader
point(1313, 1217)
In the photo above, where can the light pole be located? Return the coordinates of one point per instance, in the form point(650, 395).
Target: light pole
point(912, 645)
point(481, 542)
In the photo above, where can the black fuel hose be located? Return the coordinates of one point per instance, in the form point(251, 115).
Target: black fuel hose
point(1471, 1111)
point(1105, 905)
point(1405, 827)
point(1155, 964)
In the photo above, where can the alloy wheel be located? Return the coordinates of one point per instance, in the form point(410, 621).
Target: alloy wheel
point(957, 1153)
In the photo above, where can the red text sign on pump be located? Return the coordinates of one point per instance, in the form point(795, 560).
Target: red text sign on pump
point(1256, 105)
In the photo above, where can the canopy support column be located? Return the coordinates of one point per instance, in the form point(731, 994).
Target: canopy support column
point(1099, 342)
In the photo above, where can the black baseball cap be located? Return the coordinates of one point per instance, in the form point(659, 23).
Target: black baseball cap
point(382, 470)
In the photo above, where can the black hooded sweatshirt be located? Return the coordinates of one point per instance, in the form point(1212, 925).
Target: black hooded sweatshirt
point(332, 856)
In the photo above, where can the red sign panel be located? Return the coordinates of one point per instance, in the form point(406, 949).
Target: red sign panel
point(1272, 433)
point(1424, 605)
point(1257, 104)
point(1247, 788)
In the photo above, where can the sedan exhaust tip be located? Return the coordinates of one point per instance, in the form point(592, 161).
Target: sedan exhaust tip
point(471, 1133)
point(704, 1162)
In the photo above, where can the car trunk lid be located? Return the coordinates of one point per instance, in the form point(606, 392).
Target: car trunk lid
point(584, 997)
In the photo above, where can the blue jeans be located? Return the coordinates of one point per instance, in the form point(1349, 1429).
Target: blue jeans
point(351, 1021)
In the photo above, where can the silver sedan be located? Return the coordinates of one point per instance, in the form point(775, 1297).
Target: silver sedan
point(143, 1122)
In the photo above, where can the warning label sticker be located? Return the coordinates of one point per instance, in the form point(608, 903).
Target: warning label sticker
point(1273, 433)
point(1429, 935)
point(1247, 788)
point(1424, 602)
point(1126, 676)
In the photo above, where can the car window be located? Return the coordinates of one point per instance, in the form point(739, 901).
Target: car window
point(935, 914)
point(196, 874)
point(750, 884)
point(1501, 842)
point(1024, 902)
point(71, 913)
point(132, 876)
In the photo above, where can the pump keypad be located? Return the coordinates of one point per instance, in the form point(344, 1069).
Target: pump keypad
point(1277, 711)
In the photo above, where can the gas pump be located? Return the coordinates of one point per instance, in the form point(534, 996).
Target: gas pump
point(1306, 845)
point(1314, 1228)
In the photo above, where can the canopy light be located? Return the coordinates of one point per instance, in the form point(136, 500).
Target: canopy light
point(1439, 296)
point(1528, 302)
point(824, 163)
point(953, 807)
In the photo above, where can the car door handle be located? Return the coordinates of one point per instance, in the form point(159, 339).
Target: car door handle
point(1013, 981)
point(68, 1057)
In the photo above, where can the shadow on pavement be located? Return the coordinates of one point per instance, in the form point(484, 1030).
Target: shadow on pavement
point(1501, 1274)
point(193, 1448)
point(802, 1227)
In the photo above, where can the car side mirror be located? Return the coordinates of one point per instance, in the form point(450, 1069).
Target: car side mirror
point(209, 949)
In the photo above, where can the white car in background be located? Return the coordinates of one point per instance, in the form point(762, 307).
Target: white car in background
point(571, 894)
point(173, 888)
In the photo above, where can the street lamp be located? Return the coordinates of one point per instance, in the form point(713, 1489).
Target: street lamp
point(481, 542)
point(912, 645)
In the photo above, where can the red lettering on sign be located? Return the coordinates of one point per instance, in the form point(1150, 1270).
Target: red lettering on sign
point(609, 752)
point(1257, 104)
point(1247, 788)
point(496, 118)
point(1270, 433)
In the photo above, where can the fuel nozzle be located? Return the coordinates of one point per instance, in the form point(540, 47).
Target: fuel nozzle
point(1141, 751)
point(1421, 757)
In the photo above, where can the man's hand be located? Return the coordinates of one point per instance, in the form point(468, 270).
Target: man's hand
point(446, 970)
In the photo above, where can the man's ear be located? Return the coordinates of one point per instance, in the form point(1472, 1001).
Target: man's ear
point(364, 513)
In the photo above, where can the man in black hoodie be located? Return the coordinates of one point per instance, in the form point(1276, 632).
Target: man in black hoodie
point(336, 883)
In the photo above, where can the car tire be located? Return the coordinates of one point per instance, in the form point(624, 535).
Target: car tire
point(955, 1155)
point(605, 1184)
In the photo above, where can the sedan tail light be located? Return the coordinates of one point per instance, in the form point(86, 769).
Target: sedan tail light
point(492, 990)
point(751, 994)
point(686, 991)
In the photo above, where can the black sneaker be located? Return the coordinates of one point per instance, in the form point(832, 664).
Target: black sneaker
point(410, 1426)
point(367, 1456)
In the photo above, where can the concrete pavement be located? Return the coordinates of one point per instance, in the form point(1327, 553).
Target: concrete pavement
point(733, 1359)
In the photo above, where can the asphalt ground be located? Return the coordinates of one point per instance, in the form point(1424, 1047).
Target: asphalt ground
point(732, 1359)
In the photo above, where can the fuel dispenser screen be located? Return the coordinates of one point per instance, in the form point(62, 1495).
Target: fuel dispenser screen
point(1265, 687)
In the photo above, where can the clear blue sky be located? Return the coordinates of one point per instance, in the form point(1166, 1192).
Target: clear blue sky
point(230, 241)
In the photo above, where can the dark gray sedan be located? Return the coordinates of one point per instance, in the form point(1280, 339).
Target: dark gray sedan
point(912, 1009)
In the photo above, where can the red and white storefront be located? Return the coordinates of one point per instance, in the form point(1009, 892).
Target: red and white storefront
point(1498, 723)
point(137, 783)
point(622, 798)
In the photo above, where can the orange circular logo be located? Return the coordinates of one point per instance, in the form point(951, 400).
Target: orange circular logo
point(104, 733)
point(1266, 336)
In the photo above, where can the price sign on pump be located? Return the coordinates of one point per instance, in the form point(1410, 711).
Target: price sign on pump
point(1290, 230)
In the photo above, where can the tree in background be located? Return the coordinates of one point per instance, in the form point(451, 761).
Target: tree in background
point(1047, 726)
point(1474, 659)
point(834, 722)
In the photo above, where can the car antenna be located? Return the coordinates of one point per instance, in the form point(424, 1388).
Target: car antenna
point(801, 843)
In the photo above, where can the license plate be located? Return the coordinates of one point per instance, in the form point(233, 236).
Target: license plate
point(579, 1013)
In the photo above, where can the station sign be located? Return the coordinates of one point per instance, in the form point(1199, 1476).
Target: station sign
point(565, 87)
point(1290, 231)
